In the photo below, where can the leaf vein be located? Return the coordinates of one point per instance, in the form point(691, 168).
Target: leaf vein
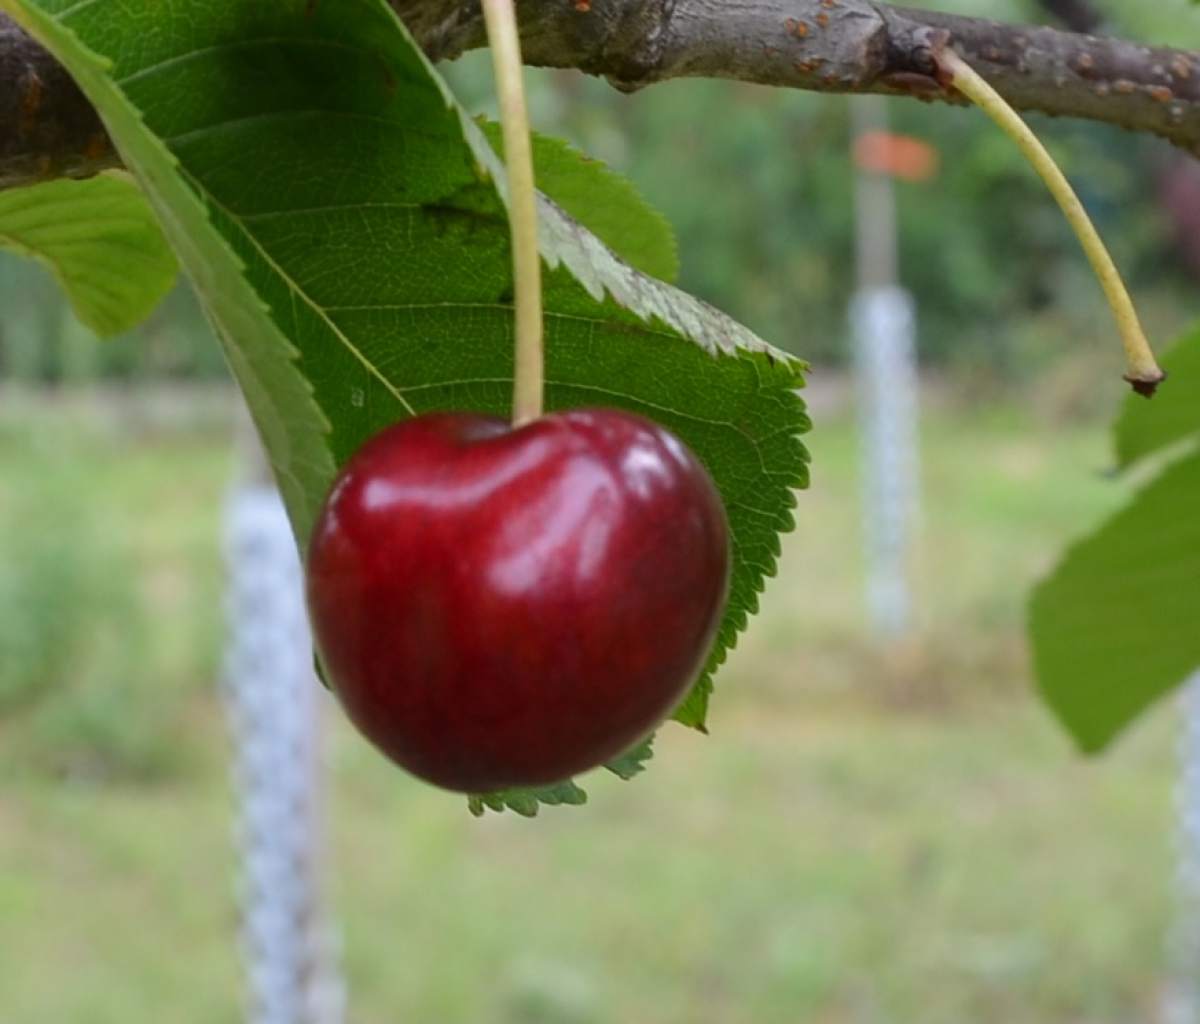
point(272, 116)
point(241, 44)
point(296, 290)
point(335, 208)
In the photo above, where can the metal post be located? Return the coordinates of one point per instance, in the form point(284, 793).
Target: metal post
point(883, 321)
point(274, 704)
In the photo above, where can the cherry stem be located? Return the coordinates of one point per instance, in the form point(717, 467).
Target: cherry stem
point(1143, 370)
point(505, 43)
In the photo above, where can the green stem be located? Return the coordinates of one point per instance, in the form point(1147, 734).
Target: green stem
point(505, 43)
point(1143, 370)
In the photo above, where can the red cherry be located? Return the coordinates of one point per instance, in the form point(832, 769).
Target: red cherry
point(501, 607)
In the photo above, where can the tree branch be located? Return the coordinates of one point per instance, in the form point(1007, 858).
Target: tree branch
point(47, 128)
point(843, 46)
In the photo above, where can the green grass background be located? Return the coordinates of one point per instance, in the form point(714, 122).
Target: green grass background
point(868, 835)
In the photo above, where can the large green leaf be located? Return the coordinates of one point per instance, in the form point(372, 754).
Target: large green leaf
point(100, 241)
point(1118, 623)
point(1148, 427)
point(344, 223)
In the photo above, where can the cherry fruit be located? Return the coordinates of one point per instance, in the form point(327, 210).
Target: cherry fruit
point(500, 607)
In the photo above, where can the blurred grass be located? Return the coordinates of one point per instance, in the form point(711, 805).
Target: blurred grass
point(109, 591)
point(868, 835)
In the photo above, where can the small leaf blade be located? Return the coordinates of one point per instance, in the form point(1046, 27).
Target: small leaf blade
point(1117, 625)
point(526, 802)
point(633, 761)
point(100, 240)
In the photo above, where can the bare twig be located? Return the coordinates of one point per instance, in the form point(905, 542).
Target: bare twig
point(1143, 371)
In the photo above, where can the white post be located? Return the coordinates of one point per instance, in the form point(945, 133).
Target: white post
point(1182, 1004)
point(883, 321)
point(274, 700)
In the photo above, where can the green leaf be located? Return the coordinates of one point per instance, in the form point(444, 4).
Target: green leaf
point(526, 801)
point(633, 761)
point(343, 220)
point(101, 242)
point(1146, 427)
point(1118, 623)
point(607, 204)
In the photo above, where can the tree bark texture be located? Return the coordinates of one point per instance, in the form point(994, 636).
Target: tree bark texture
point(47, 128)
point(843, 46)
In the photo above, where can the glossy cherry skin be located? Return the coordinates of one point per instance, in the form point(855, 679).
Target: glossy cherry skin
point(501, 607)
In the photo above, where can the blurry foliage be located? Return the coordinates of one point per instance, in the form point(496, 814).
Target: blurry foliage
point(41, 341)
point(73, 630)
point(90, 674)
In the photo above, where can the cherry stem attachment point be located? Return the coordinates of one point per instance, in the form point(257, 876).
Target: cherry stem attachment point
point(1143, 370)
point(501, 21)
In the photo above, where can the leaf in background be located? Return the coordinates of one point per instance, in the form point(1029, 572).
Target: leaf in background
point(1118, 623)
point(330, 199)
point(603, 201)
point(99, 239)
point(1147, 427)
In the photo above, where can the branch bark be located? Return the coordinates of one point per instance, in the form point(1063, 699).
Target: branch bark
point(47, 128)
point(843, 46)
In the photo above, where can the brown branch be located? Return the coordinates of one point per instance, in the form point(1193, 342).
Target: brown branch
point(1142, 88)
point(47, 128)
point(843, 46)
